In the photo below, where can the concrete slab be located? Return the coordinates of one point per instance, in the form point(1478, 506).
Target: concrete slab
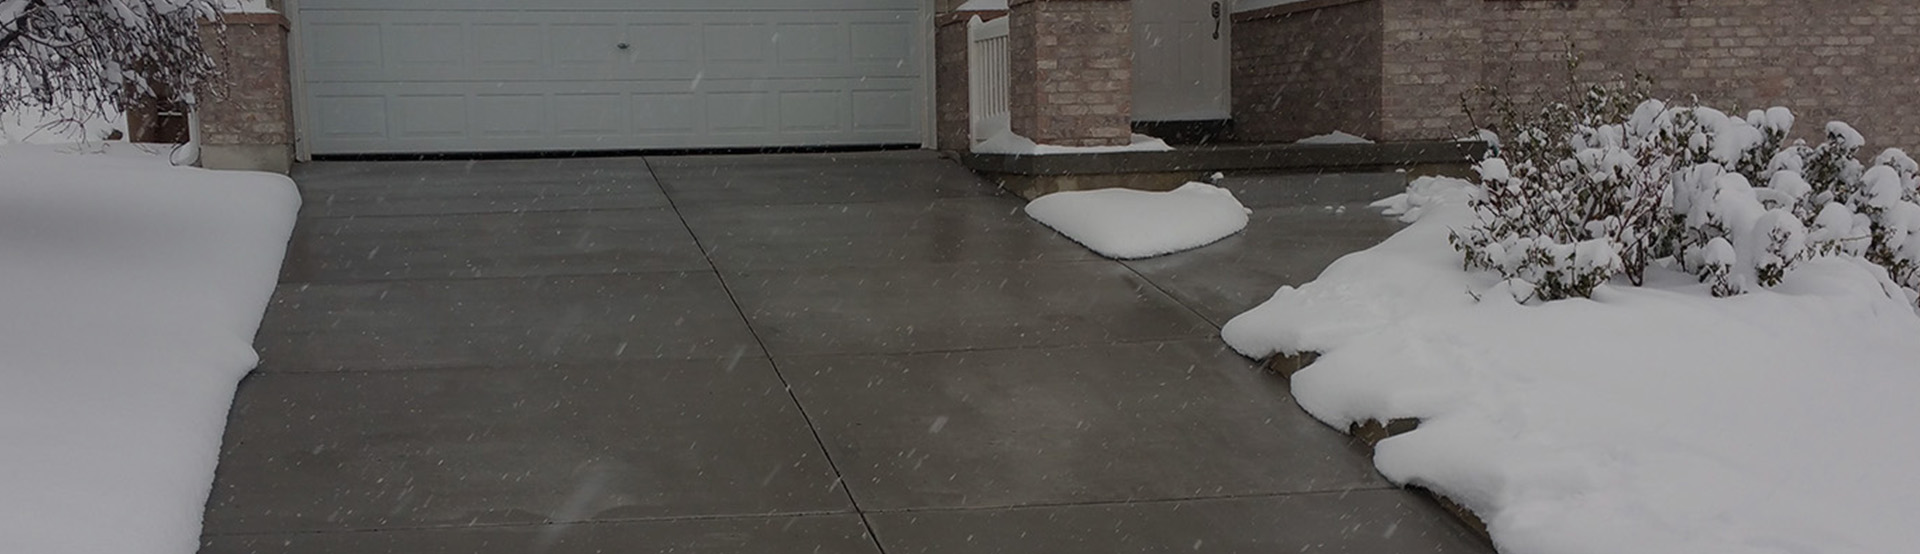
point(494, 322)
point(449, 448)
point(877, 233)
point(338, 189)
point(919, 308)
point(423, 400)
point(1280, 247)
point(834, 534)
point(527, 244)
point(752, 180)
point(1282, 190)
point(1361, 522)
point(1117, 422)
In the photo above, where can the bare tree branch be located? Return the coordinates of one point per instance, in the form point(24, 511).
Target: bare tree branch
point(90, 55)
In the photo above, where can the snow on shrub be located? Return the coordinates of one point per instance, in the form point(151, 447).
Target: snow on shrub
point(1581, 194)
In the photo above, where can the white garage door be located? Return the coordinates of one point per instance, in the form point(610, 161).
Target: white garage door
point(420, 76)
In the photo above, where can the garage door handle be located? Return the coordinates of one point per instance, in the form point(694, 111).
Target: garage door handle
point(1216, 21)
point(623, 46)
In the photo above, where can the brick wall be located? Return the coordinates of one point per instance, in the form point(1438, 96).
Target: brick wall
point(1304, 72)
point(1849, 61)
point(1430, 53)
point(252, 104)
point(1072, 71)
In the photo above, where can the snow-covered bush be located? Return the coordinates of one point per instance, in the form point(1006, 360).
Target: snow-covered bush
point(1564, 194)
point(1583, 194)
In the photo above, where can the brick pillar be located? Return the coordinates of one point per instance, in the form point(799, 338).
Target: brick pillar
point(1073, 71)
point(246, 117)
point(953, 126)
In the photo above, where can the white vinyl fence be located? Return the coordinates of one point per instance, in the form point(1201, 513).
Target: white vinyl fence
point(988, 78)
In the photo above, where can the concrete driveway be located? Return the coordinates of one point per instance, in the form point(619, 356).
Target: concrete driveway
point(833, 353)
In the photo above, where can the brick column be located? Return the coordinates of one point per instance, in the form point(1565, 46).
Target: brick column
point(246, 118)
point(1073, 71)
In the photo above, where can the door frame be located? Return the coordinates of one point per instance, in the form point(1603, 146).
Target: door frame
point(297, 71)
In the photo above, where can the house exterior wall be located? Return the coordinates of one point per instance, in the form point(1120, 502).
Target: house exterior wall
point(1430, 53)
point(1848, 61)
point(1838, 60)
point(1299, 73)
point(1072, 65)
point(246, 120)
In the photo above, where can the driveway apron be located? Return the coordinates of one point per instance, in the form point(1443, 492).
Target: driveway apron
point(819, 353)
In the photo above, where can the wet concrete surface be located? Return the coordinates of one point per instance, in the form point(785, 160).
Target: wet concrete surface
point(871, 352)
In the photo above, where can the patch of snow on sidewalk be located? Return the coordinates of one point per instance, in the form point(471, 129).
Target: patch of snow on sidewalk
point(132, 293)
point(1336, 137)
point(1130, 224)
point(1653, 419)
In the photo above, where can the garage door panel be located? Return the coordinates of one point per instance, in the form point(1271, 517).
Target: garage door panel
point(608, 5)
point(590, 114)
point(428, 115)
point(668, 114)
point(517, 47)
point(529, 116)
point(348, 46)
point(349, 116)
point(886, 110)
point(427, 76)
point(511, 115)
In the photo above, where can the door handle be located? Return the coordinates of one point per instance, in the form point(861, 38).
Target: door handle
point(1216, 21)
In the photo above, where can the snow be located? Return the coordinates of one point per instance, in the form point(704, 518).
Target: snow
point(1654, 419)
point(1002, 140)
point(246, 6)
point(133, 290)
point(1006, 142)
point(1131, 224)
point(982, 6)
point(40, 127)
point(1250, 5)
point(1336, 137)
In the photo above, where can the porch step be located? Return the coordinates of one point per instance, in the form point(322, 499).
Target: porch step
point(1032, 176)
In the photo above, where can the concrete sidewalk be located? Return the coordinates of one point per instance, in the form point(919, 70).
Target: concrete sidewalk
point(835, 353)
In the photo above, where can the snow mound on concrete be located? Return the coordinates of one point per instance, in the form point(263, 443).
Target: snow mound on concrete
point(1654, 419)
point(132, 292)
point(1131, 224)
point(1336, 137)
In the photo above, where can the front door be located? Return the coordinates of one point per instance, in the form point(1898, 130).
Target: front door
point(1181, 55)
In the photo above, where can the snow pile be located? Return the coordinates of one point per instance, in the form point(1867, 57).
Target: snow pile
point(1002, 140)
point(1336, 137)
point(1130, 224)
point(133, 290)
point(982, 6)
point(1650, 419)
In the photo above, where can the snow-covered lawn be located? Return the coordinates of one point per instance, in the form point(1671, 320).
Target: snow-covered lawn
point(1130, 224)
point(130, 291)
point(1653, 419)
